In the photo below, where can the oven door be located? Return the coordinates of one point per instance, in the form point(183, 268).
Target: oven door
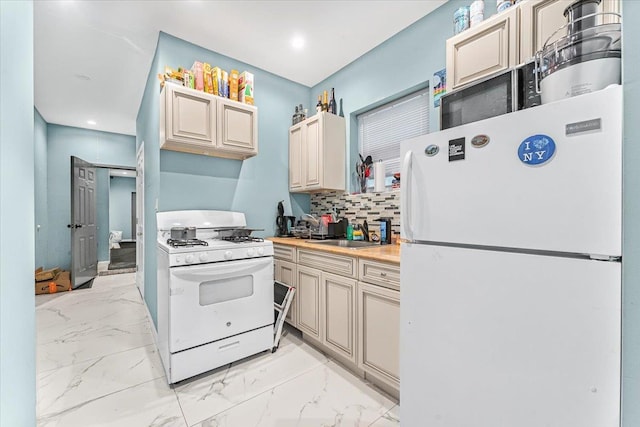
point(209, 302)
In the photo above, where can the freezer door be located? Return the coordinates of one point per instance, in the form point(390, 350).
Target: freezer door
point(496, 194)
point(495, 339)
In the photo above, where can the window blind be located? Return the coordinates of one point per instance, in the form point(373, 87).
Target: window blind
point(381, 130)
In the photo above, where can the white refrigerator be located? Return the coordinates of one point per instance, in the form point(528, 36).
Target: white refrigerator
point(511, 269)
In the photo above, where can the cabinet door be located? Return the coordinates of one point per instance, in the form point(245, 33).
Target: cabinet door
point(190, 117)
point(309, 295)
point(286, 272)
point(379, 332)
point(339, 314)
point(312, 144)
point(295, 158)
point(486, 49)
point(539, 20)
point(237, 127)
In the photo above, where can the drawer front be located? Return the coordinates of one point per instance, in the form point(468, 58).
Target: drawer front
point(337, 264)
point(380, 273)
point(285, 253)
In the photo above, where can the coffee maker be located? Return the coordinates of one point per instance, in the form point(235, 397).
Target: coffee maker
point(285, 223)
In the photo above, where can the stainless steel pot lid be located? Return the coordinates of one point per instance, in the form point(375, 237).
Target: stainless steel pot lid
point(602, 40)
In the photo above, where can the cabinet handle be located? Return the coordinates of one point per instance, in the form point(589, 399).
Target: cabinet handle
point(383, 274)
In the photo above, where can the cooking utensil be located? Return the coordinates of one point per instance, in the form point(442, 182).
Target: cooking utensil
point(183, 233)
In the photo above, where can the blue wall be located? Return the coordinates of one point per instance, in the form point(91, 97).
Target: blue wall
point(396, 67)
point(102, 213)
point(41, 199)
point(631, 224)
point(253, 186)
point(120, 190)
point(17, 251)
point(92, 146)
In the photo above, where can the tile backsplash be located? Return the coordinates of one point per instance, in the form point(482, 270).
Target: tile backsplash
point(358, 207)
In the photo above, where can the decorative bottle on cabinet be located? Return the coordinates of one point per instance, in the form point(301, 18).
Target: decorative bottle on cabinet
point(332, 102)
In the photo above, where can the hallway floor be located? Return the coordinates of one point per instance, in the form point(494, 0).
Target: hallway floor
point(98, 366)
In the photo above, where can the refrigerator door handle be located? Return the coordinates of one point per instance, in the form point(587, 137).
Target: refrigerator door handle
point(405, 194)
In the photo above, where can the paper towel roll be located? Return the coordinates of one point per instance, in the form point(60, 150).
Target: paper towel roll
point(378, 176)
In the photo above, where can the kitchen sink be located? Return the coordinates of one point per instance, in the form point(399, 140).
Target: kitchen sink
point(352, 244)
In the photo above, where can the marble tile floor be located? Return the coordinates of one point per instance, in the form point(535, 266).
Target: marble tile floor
point(98, 366)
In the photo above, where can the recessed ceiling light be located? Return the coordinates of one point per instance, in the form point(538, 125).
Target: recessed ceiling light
point(82, 77)
point(91, 122)
point(297, 42)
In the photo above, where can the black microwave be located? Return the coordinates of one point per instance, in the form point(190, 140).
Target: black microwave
point(498, 94)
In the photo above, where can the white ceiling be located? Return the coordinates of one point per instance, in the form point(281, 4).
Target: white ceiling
point(92, 57)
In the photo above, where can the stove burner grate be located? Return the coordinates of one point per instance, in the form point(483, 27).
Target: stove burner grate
point(186, 242)
point(242, 239)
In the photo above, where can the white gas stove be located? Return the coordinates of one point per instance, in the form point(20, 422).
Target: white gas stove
point(215, 291)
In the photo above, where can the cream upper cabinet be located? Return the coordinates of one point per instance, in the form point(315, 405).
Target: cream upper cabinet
point(508, 38)
point(199, 123)
point(539, 19)
point(295, 158)
point(237, 127)
point(189, 118)
point(379, 332)
point(339, 314)
point(490, 47)
point(317, 148)
point(313, 146)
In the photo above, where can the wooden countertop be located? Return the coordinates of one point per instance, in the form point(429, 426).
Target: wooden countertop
point(383, 253)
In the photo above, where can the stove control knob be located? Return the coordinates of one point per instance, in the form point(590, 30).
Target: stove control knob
point(189, 259)
point(228, 255)
point(203, 257)
point(178, 260)
point(260, 251)
point(250, 252)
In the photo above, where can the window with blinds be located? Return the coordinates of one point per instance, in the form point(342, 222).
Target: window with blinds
point(381, 130)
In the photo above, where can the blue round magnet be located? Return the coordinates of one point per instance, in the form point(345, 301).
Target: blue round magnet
point(536, 150)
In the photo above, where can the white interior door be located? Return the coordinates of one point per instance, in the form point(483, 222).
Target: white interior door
point(497, 339)
point(84, 244)
point(139, 236)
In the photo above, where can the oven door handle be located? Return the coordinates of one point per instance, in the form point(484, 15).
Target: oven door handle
point(221, 270)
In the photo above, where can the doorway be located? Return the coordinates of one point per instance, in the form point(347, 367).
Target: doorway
point(102, 210)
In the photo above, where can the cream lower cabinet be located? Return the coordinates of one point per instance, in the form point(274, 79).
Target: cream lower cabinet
point(199, 123)
point(327, 310)
point(287, 272)
point(339, 314)
point(317, 150)
point(357, 321)
point(379, 333)
point(309, 301)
